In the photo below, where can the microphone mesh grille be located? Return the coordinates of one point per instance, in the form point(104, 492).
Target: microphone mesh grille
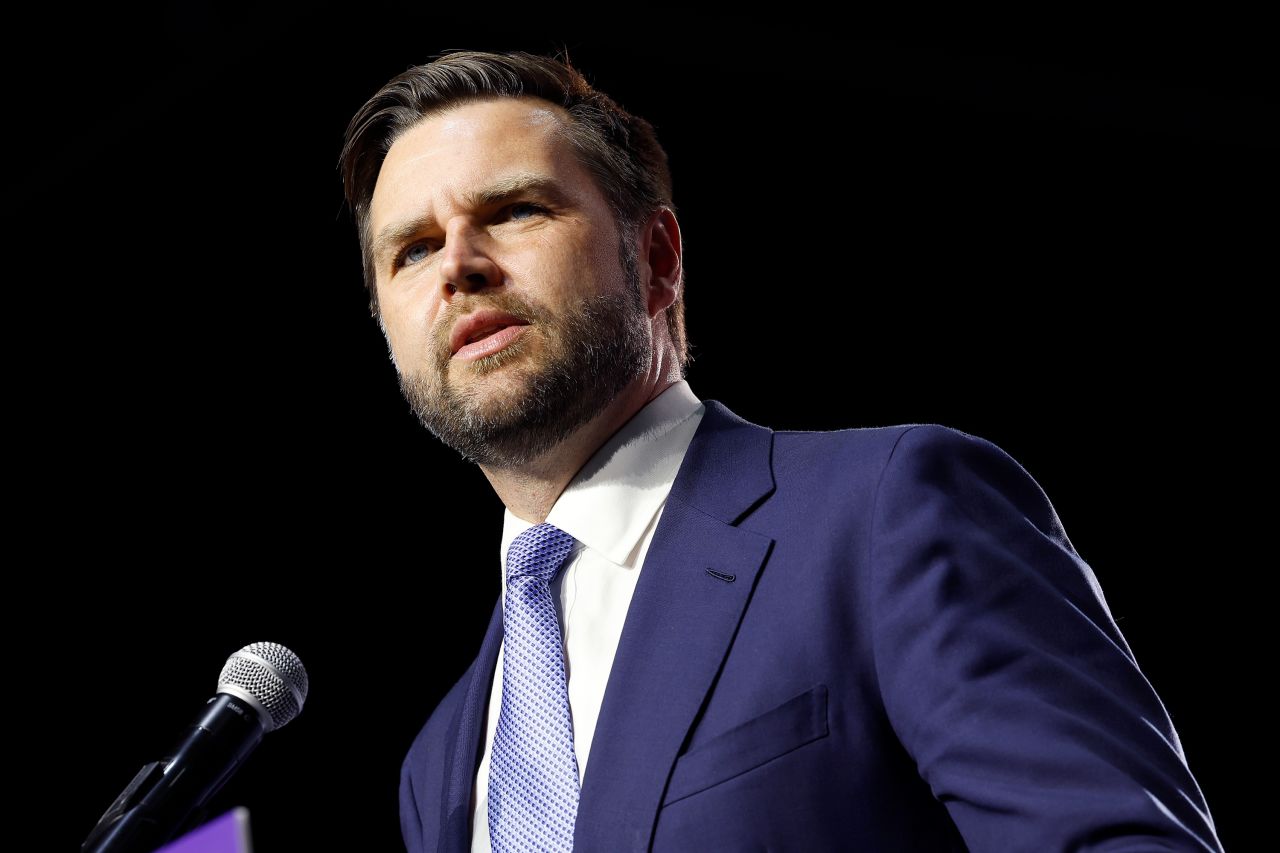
point(281, 687)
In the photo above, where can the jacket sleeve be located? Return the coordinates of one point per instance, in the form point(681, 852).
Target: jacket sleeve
point(410, 821)
point(1002, 670)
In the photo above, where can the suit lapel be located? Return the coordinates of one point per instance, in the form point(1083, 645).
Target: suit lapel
point(465, 742)
point(678, 629)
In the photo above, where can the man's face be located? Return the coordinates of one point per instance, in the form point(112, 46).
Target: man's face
point(510, 300)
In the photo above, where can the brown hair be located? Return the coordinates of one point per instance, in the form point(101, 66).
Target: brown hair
point(620, 150)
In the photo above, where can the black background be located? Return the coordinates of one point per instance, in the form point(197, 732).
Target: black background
point(1047, 233)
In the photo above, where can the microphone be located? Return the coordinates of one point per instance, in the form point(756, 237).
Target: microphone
point(261, 688)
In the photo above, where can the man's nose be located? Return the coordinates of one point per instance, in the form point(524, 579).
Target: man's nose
point(466, 265)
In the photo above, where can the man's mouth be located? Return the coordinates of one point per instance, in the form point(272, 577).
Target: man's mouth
point(484, 332)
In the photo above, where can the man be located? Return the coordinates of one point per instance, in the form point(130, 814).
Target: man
point(869, 639)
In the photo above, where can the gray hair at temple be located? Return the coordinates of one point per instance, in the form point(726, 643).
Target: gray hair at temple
point(619, 149)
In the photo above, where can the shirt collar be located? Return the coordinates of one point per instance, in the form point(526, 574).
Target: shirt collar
point(610, 503)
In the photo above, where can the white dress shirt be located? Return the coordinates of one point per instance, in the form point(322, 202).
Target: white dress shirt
point(611, 507)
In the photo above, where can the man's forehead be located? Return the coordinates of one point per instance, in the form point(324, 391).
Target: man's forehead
point(464, 144)
point(502, 123)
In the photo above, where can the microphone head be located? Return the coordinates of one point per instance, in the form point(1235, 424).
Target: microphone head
point(270, 678)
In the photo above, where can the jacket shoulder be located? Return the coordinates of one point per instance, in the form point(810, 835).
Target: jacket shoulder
point(839, 454)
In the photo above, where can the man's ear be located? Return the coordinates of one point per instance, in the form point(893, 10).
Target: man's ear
point(661, 249)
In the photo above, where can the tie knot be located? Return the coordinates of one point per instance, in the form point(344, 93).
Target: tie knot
point(538, 552)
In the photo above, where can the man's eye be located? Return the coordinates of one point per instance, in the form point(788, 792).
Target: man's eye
point(418, 252)
point(414, 254)
point(524, 205)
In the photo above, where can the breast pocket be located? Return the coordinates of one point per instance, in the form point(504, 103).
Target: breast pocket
point(796, 722)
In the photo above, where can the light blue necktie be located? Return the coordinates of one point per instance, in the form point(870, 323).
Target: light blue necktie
point(533, 771)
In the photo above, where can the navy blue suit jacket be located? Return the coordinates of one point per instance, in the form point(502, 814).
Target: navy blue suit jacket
point(899, 650)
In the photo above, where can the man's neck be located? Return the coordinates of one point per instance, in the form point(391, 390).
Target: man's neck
point(531, 490)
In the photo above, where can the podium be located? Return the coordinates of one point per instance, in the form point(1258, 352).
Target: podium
point(228, 833)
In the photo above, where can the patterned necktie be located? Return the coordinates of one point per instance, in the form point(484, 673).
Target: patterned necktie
point(533, 771)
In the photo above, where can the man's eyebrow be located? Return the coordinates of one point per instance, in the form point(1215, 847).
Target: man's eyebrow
point(522, 183)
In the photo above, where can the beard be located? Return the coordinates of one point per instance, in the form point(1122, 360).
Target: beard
point(589, 354)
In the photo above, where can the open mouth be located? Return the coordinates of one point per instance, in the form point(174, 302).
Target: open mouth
point(486, 332)
point(483, 332)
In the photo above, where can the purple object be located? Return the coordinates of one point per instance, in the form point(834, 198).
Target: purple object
point(226, 834)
